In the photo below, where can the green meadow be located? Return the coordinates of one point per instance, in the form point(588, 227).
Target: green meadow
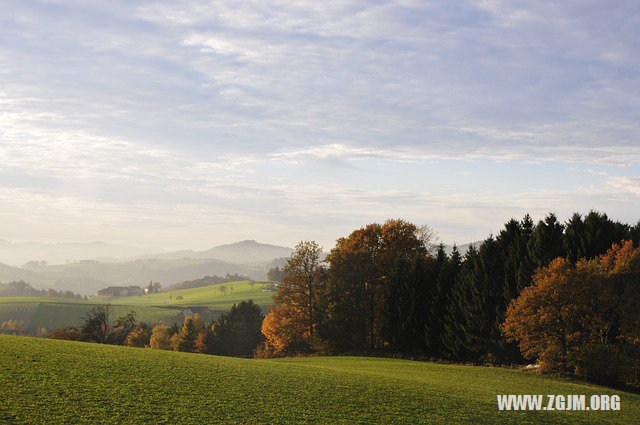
point(207, 296)
point(51, 381)
point(52, 313)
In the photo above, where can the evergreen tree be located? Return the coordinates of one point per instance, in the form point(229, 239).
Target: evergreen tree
point(573, 238)
point(458, 320)
point(185, 338)
point(513, 244)
point(446, 270)
point(546, 242)
point(409, 289)
point(237, 332)
point(593, 236)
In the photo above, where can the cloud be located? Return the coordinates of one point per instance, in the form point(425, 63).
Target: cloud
point(629, 185)
point(304, 107)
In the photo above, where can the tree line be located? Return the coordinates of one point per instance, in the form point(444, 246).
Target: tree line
point(21, 288)
point(564, 295)
point(207, 280)
point(386, 288)
point(234, 333)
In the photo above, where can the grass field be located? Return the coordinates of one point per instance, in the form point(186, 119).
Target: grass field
point(52, 315)
point(208, 296)
point(70, 382)
point(4, 300)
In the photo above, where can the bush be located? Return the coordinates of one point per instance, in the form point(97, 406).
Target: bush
point(599, 362)
point(69, 334)
point(139, 337)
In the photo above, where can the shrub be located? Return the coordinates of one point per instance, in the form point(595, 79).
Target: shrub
point(139, 337)
point(69, 334)
point(599, 362)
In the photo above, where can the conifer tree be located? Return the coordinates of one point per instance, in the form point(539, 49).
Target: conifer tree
point(446, 270)
point(546, 242)
point(410, 287)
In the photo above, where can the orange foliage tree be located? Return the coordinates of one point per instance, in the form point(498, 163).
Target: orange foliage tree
point(360, 266)
point(160, 338)
point(139, 337)
point(285, 330)
point(289, 325)
point(584, 318)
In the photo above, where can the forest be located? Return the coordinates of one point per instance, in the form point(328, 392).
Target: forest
point(564, 295)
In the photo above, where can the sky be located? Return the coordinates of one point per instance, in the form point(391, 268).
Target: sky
point(187, 124)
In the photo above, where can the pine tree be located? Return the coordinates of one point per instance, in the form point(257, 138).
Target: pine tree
point(458, 319)
point(185, 338)
point(574, 237)
point(446, 271)
point(546, 242)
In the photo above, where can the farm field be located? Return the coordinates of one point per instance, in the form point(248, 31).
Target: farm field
point(52, 315)
point(70, 382)
point(207, 296)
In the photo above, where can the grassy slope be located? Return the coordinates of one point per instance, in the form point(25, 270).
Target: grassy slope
point(209, 296)
point(51, 314)
point(57, 312)
point(4, 300)
point(69, 382)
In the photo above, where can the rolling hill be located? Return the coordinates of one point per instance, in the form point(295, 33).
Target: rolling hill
point(37, 280)
point(50, 381)
point(18, 253)
point(52, 313)
point(244, 252)
point(206, 296)
point(89, 277)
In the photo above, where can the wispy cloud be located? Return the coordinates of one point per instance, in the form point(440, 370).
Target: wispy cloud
point(248, 109)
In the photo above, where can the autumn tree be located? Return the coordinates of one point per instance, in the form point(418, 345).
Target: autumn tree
point(185, 338)
point(285, 330)
point(360, 267)
point(544, 319)
point(298, 295)
point(160, 338)
point(582, 318)
point(138, 337)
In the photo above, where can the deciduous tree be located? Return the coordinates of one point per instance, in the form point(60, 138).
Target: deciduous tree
point(160, 338)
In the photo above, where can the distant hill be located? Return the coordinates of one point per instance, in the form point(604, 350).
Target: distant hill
point(90, 276)
point(245, 252)
point(462, 249)
point(9, 274)
point(20, 253)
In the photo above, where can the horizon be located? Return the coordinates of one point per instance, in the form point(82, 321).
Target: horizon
point(190, 125)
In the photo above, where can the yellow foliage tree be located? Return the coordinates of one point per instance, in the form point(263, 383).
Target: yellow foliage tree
point(138, 337)
point(160, 338)
point(285, 330)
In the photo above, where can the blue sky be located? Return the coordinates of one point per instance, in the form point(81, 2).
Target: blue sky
point(185, 124)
